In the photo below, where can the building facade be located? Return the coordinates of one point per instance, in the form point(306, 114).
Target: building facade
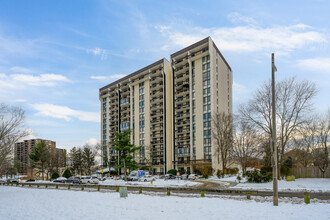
point(138, 102)
point(169, 108)
point(24, 148)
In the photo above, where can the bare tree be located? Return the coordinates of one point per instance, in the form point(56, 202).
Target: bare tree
point(11, 130)
point(223, 135)
point(149, 156)
point(305, 140)
point(321, 151)
point(293, 104)
point(246, 143)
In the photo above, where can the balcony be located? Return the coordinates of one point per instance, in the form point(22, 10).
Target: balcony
point(183, 162)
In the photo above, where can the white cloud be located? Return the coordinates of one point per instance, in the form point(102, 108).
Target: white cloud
point(248, 38)
point(240, 92)
point(99, 52)
point(162, 28)
point(48, 79)
point(66, 113)
point(236, 17)
point(30, 135)
point(92, 141)
point(20, 100)
point(111, 77)
point(19, 69)
point(2, 75)
point(320, 64)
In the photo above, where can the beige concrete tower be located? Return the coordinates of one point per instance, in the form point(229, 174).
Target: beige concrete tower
point(169, 108)
point(202, 82)
point(138, 102)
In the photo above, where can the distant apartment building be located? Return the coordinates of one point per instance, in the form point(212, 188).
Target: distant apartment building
point(169, 108)
point(61, 157)
point(24, 148)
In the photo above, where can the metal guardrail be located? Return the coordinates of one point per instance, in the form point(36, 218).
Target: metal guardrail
point(319, 195)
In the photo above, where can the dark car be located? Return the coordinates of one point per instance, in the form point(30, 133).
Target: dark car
point(60, 180)
point(169, 176)
point(30, 180)
point(73, 180)
point(12, 181)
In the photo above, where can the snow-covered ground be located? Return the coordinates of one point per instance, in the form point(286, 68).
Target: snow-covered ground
point(227, 178)
point(309, 184)
point(156, 183)
point(27, 203)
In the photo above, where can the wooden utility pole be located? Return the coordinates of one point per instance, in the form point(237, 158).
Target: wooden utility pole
point(274, 147)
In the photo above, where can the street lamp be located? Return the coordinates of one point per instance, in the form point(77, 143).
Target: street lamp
point(275, 184)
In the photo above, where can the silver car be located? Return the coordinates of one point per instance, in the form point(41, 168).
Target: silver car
point(89, 179)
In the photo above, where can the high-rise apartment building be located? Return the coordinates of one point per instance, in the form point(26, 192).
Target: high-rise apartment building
point(138, 102)
point(24, 148)
point(169, 108)
point(202, 82)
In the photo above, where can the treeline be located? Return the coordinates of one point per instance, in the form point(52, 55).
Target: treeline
point(245, 137)
point(82, 160)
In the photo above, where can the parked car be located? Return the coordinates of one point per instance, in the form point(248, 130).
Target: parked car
point(30, 180)
point(169, 176)
point(107, 178)
point(193, 177)
point(147, 178)
point(73, 180)
point(89, 179)
point(184, 176)
point(12, 181)
point(60, 180)
point(133, 178)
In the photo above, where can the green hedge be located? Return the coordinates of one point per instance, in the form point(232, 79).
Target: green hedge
point(67, 173)
point(55, 175)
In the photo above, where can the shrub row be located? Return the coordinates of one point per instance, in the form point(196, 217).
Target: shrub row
point(257, 176)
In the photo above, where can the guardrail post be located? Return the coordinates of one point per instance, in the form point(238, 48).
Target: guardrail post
point(68, 186)
point(46, 186)
point(117, 189)
point(22, 184)
point(38, 185)
point(98, 188)
point(140, 190)
point(202, 194)
point(307, 198)
point(168, 192)
point(248, 196)
point(29, 185)
point(56, 186)
point(82, 188)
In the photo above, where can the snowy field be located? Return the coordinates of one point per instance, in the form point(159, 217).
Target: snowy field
point(310, 184)
point(24, 203)
point(156, 183)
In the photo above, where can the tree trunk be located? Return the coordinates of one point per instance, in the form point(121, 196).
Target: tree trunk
point(42, 170)
point(109, 166)
point(125, 170)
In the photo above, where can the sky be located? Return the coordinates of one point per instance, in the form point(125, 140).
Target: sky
point(55, 55)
